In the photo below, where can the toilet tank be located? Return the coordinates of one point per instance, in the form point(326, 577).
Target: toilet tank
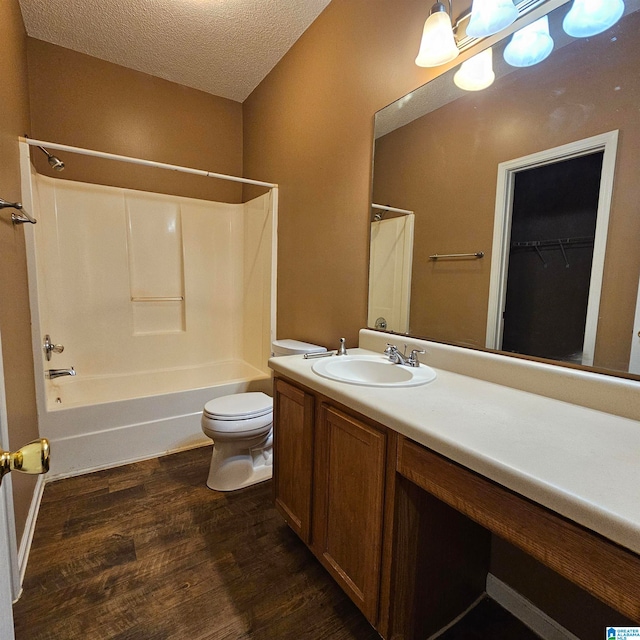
point(292, 347)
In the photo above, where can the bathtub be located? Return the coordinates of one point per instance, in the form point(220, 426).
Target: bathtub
point(98, 422)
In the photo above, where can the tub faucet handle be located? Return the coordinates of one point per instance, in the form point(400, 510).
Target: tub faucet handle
point(50, 348)
point(342, 351)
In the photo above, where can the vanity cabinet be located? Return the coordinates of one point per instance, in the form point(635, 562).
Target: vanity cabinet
point(408, 532)
point(330, 476)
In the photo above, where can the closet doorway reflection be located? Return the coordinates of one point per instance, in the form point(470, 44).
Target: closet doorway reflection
point(549, 239)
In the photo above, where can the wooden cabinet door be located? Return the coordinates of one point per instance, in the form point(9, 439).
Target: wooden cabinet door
point(348, 504)
point(293, 456)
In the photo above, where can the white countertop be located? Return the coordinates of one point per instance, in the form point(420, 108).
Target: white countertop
point(580, 462)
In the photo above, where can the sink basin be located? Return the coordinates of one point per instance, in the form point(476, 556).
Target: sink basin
point(372, 371)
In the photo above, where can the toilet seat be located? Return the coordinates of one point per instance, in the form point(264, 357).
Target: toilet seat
point(239, 406)
point(242, 415)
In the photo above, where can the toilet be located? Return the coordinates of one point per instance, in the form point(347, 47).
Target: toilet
point(241, 426)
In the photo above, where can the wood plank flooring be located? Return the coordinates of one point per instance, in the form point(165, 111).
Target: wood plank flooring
point(147, 552)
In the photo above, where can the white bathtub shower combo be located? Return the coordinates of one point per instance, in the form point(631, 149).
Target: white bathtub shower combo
point(162, 303)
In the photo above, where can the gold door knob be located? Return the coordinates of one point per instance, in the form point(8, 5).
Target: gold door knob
point(33, 458)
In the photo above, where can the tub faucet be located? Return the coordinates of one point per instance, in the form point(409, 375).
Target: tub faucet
point(58, 373)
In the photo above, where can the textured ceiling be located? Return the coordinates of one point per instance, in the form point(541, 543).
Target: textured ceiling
point(223, 47)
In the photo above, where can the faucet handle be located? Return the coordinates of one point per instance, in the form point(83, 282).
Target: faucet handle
point(50, 348)
point(413, 357)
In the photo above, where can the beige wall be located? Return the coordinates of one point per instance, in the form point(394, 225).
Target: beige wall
point(444, 166)
point(85, 102)
point(15, 317)
point(308, 127)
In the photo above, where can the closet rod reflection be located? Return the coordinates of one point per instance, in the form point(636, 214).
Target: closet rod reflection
point(157, 299)
point(439, 256)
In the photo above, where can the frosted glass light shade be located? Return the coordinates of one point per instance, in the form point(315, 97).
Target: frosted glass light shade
point(590, 17)
point(490, 16)
point(530, 45)
point(438, 45)
point(476, 73)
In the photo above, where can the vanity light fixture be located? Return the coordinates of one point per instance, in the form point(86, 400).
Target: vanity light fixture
point(490, 16)
point(476, 74)
point(438, 46)
point(531, 45)
point(590, 17)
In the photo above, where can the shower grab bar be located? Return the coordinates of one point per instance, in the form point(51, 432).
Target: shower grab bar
point(439, 256)
point(146, 163)
point(157, 298)
point(20, 218)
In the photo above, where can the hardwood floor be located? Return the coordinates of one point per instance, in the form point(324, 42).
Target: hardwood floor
point(147, 552)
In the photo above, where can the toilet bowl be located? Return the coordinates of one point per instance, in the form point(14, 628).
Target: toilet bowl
point(240, 426)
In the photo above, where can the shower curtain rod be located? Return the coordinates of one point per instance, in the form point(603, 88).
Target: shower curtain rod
point(384, 207)
point(146, 163)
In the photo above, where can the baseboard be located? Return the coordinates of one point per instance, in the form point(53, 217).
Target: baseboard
point(525, 611)
point(29, 530)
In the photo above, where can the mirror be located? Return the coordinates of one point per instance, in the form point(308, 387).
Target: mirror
point(465, 163)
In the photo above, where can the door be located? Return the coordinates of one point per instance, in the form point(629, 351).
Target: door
point(606, 144)
point(552, 237)
point(391, 258)
point(6, 599)
point(8, 555)
point(32, 458)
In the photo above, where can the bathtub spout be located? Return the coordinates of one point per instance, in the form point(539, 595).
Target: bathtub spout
point(57, 373)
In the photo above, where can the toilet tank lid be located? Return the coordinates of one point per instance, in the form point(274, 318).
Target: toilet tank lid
point(239, 405)
point(291, 347)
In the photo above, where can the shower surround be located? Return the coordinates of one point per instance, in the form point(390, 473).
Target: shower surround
point(161, 303)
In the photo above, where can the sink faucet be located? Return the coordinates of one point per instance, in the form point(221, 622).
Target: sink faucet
point(397, 357)
point(342, 351)
point(58, 373)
